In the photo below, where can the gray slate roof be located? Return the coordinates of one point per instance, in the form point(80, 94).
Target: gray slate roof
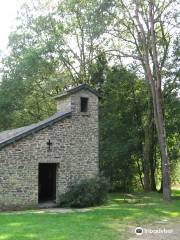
point(13, 135)
point(76, 89)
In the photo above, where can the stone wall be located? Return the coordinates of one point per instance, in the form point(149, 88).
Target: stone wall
point(74, 148)
point(64, 104)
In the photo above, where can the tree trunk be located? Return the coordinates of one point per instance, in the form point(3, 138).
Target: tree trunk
point(158, 111)
point(159, 121)
point(153, 161)
point(140, 174)
point(146, 40)
point(148, 146)
point(153, 181)
point(160, 127)
point(161, 187)
point(158, 115)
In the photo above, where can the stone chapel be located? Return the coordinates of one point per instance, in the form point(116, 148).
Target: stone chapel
point(39, 162)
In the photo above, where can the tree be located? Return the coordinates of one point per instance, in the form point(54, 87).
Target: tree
point(71, 33)
point(48, 52)
point(68, 44)
point(144, 28)
point(172, 109)
point(122, 108)
point(29, 81)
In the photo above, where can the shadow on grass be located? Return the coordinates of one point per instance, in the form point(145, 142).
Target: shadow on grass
point(176, 194)
point(107, 222)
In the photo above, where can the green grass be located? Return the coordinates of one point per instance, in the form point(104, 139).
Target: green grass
point(108, 222)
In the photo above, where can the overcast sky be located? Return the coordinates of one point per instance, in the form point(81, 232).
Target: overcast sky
point(8, 10)
point(8, 13)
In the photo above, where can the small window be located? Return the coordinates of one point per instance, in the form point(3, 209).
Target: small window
point(84, 104)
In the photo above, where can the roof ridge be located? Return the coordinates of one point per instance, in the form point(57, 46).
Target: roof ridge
point(75, 89)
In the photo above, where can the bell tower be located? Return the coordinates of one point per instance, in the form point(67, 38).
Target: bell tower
point(82, 102)
point(81, 99)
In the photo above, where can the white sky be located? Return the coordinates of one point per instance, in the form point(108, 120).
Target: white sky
point(8, 11)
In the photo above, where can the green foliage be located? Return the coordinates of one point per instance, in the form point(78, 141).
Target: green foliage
point(122, 108)
point(172, 111)
point(28, 82)
point(88, 192)
point(47, 53)
point(51, 50)
point(98, 70)
point(25, 90)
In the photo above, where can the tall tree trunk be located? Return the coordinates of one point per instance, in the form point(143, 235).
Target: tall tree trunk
point(146, 39)
point(153, 160)
point(148, 146)
point(164, 157)
point(153, 181)
point(161, 186)
point(158, 115)
point(158, 111)
point(159, 121)
point(140, 172)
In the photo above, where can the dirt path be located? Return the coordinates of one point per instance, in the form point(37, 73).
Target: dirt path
point(160, 230)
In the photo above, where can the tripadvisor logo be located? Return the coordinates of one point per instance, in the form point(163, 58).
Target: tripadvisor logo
point(139, 231)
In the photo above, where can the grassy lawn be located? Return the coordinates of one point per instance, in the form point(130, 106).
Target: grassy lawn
point(108, 222)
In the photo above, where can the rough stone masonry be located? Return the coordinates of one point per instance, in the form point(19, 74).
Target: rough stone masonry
point(67, 142)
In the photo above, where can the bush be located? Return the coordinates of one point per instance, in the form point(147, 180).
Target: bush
point(88, 192)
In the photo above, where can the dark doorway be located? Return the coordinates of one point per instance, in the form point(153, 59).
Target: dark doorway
point(47, 182)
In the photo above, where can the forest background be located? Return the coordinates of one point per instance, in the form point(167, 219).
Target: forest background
point(129, 51)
